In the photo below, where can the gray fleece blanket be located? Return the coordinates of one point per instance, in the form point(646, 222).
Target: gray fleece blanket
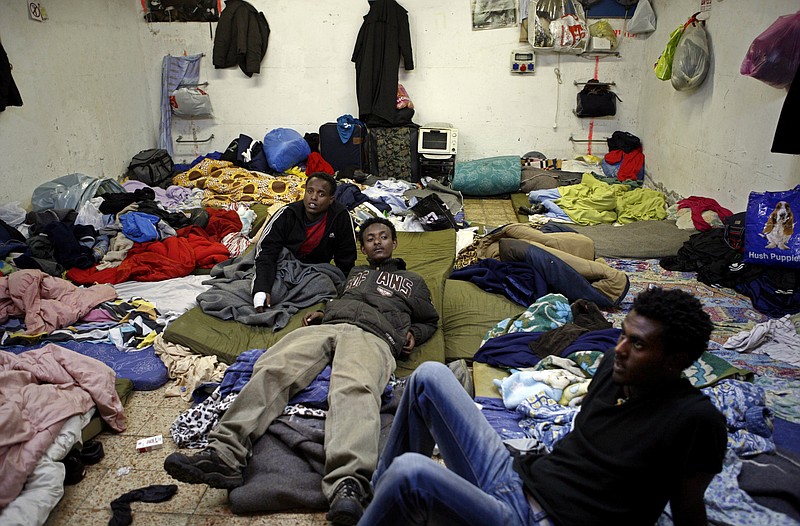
point(297, 285)
point(288, 461)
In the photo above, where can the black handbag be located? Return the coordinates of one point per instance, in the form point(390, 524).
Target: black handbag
point(433, 213)
point(596, 100)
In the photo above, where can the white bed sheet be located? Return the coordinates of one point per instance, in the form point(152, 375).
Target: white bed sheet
point(176, 295)
point(45, 485)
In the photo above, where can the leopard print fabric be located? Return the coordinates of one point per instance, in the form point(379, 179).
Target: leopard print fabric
point(191, 428)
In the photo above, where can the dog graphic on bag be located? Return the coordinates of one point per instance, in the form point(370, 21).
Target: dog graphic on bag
point(779, 227)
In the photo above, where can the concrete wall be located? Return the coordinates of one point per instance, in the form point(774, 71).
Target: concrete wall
point(86, 99)
point(90, 80)
point(715, 141)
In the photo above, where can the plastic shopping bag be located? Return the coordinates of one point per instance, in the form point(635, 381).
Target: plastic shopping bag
point(190, 102)
point(772, 233)
point(663, 66)
point(691, 60)
point(643, 19)
point(774, 55)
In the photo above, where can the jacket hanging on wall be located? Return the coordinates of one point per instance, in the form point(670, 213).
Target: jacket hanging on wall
point(785, 140)
point(240, 22)
point(383, 38)
point(9, 94)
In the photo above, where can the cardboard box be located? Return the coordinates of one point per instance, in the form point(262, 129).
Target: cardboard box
point(150, 443)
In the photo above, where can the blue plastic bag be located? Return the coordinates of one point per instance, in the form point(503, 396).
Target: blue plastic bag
point(285, 148)
point(772, 235)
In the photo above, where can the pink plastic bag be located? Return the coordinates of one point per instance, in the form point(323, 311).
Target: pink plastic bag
point(774, 55)
point(403, 100)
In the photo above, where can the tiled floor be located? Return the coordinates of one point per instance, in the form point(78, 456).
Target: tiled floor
point(124, 469)
point(150, 413)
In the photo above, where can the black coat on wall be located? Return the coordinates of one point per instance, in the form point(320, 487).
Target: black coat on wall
point(9, 94)
point(383, 38)
point(785, 140)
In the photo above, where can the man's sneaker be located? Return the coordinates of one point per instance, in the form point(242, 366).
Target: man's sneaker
point(347, 504)
point(204, 467)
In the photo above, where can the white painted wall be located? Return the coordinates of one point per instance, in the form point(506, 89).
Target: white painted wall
point(86, 101)
point(90, 80)
point(715, 141)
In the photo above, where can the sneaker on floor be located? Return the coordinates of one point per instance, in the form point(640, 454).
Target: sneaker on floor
point(347, 504)
point(92, 452)
point(204, 467)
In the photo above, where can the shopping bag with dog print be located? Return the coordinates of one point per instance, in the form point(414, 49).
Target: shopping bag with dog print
point(772, 235)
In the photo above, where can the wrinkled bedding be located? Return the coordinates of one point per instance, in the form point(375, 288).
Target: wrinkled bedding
point(39, 391)
point(44, 487)
point(297, 285)
point(173, 257)
point(593, 202)
point(47, 303)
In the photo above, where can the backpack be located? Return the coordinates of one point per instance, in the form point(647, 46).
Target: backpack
point(596, 100)
point(622, 140)
point(433, 213)
point(153, 167)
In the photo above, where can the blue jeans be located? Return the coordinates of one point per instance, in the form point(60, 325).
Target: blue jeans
point(479, 485)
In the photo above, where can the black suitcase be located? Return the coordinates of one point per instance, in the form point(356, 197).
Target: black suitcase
point(351, 154)
point(393, 152)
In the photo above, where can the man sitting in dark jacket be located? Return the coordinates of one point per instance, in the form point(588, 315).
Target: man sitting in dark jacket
point(315, 230)
point(383, 313)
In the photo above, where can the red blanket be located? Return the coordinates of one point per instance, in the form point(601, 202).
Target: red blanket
point(173, 257)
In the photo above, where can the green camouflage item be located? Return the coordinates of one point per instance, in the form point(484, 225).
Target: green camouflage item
point(393, 147)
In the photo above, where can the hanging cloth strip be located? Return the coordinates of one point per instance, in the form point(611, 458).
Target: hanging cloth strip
point(174, 72)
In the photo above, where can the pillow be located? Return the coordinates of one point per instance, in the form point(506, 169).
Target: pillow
point(468, 313)
point(488, 176)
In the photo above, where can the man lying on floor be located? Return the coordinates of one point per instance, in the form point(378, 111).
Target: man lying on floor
point(383, 313)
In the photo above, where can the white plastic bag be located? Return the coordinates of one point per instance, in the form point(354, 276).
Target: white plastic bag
point(643, 19)
point(558, 25)
point(691, 60)
point(13, 214)
point(568, 32)
point(190, 102)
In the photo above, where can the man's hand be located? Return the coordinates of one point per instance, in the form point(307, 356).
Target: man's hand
point(313, 318)
point(409, 346)
point(688, 506)
point(260, 300)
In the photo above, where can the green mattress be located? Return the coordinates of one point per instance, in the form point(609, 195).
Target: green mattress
point(431, 254)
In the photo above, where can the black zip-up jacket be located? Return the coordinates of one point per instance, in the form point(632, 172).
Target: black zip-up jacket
point(388, 301)
point(242, 37)
point(287, 229)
